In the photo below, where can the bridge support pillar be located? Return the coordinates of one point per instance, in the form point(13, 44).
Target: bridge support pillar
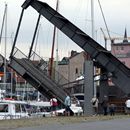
point(88, 87)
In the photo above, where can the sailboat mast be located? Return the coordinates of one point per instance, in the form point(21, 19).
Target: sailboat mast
point(93, 36)
point(92, 18)
point(57, 42)
point(53, 44)
point(57, 53)
point(5, 46)
point(3, 21)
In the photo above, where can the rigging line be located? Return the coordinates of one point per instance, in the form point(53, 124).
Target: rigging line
point(46, 39)
point(104, 20)
point(86, 18)
point(36, 42)
point(3, 21)
point(87, 9)
point(77, 11)
point(34, 36)
point(113, 32)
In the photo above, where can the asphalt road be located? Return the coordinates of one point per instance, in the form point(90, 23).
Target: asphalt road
point(116, 124)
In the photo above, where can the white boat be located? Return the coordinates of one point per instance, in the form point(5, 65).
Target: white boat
point(43, 109)
point(40, 109)
point(11, 109)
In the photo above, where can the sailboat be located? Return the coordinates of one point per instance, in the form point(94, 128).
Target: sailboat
point(11, 109)
point(53, 45)
point(3, 60)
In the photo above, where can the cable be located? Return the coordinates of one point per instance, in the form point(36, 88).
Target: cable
point(104, 20)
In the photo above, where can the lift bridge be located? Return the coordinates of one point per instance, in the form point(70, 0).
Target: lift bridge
point(33, 74)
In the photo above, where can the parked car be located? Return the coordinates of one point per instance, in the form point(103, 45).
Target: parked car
point(77, 110)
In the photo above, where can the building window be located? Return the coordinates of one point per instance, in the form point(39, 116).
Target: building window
point(76, 71)
point(122, 48)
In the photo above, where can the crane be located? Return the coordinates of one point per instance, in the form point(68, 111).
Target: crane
point(112, 39)
point(117, 38)
point(105, 38)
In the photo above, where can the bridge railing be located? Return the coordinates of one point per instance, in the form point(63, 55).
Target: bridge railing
point(43, 65)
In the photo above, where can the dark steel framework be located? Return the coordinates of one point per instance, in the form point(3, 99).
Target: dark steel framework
point(120, 73)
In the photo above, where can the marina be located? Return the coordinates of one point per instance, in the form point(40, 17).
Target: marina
point(12, 109)
point(29, 82)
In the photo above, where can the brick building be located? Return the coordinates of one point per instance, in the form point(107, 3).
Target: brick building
point(72, 67)
point(122, 50)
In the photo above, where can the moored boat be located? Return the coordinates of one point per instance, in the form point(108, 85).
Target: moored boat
point(12, 109)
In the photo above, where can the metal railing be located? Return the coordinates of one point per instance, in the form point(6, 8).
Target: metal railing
point(43, 65)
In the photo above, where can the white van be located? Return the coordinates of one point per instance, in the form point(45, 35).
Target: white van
point(80, 97)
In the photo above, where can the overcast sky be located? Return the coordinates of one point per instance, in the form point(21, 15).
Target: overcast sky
point(77, 11)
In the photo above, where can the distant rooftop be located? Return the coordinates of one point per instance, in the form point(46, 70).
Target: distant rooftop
point(125, 40)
